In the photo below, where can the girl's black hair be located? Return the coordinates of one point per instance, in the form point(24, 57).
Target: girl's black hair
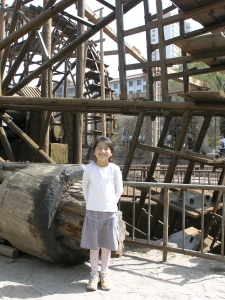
point(109, 144)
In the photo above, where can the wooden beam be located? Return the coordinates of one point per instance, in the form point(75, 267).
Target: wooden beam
point(12, 71)
point(6, 144)
point(113, 35)
point(176, 18)
point(149, 77)
point(133, 144)
point(177, 60)
point(121, 50)
point(197, 147)
point(80, 75)
point(153, 165)
point(76, 103)
point(107, 4)
point(11, 30)
point(25, 138)
point(162, 52)
point(69, 48)
point(35, 23)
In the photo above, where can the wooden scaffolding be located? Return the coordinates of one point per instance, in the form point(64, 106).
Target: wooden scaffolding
point(69, 45)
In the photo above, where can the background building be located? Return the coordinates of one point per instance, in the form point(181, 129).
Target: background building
point(135, 84)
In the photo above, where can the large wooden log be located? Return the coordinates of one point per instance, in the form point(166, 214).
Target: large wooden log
point(42, 210)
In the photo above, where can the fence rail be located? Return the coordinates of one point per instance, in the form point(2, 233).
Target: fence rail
point(206, 175)
point(166, 246)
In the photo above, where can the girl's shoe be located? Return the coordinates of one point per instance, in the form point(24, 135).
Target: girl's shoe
point(93, 282)
point(105, 283)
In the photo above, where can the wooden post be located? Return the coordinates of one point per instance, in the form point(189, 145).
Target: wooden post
point(2, 35)
point(121, 49)
point(6, 144)
point(46, 86)
point(162, 51)
point(149, 124)
point(102, 72)
point(150, 85)
point(185, 66)
point(80, 71)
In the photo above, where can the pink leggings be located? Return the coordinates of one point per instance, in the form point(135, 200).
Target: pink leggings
point(105, 258)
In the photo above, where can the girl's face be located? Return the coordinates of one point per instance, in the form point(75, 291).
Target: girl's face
point(102, 153)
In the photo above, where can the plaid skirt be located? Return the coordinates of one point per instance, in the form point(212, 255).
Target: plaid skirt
point(100, 229)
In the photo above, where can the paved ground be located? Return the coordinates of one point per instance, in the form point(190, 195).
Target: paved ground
point(139, 274)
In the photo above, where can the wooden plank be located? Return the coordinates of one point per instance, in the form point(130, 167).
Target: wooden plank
point(204, 44)
point(207, 97)
point(203, 18)
point(59, 153)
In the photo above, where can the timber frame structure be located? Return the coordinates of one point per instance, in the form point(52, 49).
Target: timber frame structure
point(69, 44)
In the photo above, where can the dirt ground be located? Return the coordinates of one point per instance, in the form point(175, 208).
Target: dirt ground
point(138, 274)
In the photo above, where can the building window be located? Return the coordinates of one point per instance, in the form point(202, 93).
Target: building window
point(131, 83)
point(144, 78)
point(139, 82)
point(115, 86)
point(71, 92)
point(115, 94)
point(144, 87)
point(130, 92)
point(138, 91)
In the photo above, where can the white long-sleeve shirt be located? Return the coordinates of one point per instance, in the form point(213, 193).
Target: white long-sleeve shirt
point(102, 187)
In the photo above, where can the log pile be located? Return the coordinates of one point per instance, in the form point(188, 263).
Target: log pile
point(42, 211)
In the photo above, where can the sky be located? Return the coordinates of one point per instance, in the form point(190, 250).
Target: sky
point(133, 18)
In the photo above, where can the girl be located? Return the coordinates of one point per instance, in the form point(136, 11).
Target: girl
point(102, 187)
